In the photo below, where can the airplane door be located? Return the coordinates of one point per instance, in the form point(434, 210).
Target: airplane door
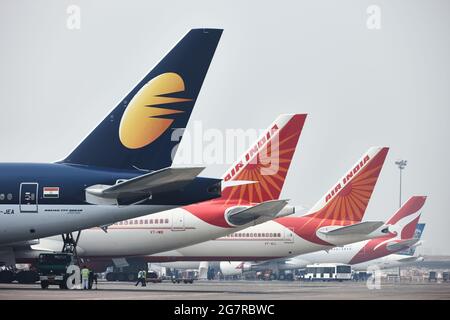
point(178, 221)
point(28, 197)
point(288, 235)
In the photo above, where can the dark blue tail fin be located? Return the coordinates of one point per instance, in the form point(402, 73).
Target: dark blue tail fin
point(138, 132)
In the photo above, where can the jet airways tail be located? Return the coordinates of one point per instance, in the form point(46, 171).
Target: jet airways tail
point(260, 173)
point(138, 132)
point(348, 199)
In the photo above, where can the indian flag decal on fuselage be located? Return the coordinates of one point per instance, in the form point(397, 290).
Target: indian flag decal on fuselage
point(51, 192)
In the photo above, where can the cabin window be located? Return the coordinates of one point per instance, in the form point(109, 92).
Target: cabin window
point(9, 196)
point(146, 221)
point(167, 220)
point(2, 196)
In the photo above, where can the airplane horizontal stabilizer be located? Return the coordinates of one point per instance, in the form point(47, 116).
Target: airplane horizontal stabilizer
point(353, 233)
point(164, 180)
point(399, 245)
point(357, 228)
point(411, 259)
point(269, 209)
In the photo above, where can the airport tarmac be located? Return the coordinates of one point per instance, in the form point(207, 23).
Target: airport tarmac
point(233, 290)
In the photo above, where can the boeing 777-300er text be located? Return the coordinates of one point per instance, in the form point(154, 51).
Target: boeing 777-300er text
point(122, 169)
point(402, 234)
point(252, 187)
point(334, 221)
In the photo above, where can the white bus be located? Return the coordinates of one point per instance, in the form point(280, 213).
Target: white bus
point(328, 272)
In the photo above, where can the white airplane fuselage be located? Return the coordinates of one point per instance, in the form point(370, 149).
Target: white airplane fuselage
point(269, 240)
point(151, 234)
point(57, 219)
point(39, 200)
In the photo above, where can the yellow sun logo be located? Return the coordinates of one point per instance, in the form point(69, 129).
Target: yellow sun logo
point(141, 123)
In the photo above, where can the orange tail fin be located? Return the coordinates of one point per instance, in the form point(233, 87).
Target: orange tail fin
point(259, 175)
point(348, 199)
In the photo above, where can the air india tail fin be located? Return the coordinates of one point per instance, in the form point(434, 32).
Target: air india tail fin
point(260, 173)
point(138, 132)
point(347, 200)
point(404, 221)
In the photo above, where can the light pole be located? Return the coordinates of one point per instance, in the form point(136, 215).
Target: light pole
point(401, 165)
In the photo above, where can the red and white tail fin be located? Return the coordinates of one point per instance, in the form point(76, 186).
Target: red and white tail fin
point(260, 173)
point(404, 221)
point(347, 200)
point(402, 226)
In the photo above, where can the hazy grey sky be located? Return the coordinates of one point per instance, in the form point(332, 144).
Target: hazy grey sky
point(360, 87)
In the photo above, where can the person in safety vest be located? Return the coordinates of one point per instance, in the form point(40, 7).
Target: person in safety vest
point(85, 277)
point(139, 279)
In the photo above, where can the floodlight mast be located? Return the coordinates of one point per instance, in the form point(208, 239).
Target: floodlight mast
point(401, 165)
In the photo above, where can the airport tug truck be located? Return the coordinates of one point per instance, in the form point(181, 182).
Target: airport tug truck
point(52, 269)
point(186, 276)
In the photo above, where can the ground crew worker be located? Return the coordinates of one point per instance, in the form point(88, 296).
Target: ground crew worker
point(139, 280)
point(144, 278)
point(92, 280)
point(95, 280)
point(85, 278)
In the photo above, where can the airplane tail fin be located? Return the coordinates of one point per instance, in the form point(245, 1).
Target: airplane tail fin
point(348, 199)
point(419, 230)
point(259, 175)
point(417, 235)
point(138, 132)
point(404, 222)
